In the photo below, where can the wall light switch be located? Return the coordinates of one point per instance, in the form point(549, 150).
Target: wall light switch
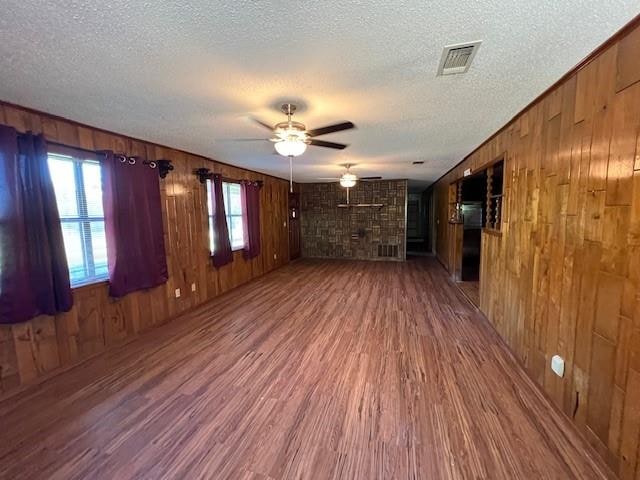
point(557, 365)
point(275, 256)
point(193, 287)
point(177, 293)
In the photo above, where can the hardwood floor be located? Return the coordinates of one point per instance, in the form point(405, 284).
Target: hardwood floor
point(322, 369)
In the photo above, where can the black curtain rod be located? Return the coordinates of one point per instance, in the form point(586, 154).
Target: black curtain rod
point(88, 150)
point(205, 174)
point(163, 166)
point(101, 152)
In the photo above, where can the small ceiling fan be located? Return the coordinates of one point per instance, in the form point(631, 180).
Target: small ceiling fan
point(349, 179)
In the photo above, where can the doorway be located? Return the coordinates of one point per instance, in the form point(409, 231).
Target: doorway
point(417, 225)
point(474, 197)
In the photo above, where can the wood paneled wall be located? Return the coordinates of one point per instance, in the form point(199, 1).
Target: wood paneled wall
point(563, 277)
point(43, 345)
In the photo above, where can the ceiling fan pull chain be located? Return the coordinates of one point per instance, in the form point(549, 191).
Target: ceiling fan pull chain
point(291, 173)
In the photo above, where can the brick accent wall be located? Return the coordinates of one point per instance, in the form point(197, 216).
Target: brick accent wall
point(368, 233)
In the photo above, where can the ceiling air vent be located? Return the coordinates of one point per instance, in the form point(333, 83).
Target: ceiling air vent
point(457, 58)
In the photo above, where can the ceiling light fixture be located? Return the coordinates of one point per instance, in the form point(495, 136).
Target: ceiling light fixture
point(290, 139)
point(348, 180)
point(291, 143)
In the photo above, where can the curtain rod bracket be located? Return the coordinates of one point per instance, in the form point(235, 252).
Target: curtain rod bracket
point(164, 167)
point(203, 174)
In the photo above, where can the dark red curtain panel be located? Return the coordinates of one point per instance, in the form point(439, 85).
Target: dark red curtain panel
point(222, 253)
point(251, 219)
point(133, 225)
point(34, 276)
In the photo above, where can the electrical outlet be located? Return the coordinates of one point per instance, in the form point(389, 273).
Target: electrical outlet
point(557, 365)
point(177, 293)
point(275, 256)
point(193, 287)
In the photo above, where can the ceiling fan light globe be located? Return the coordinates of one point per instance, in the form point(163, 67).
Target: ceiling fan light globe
point(347, 182)
point(290, 148)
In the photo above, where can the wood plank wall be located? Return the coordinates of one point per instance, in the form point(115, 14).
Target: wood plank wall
point(564, 275)
point(41, 346)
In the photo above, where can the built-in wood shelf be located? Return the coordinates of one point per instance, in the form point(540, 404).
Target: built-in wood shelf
point(360, 205)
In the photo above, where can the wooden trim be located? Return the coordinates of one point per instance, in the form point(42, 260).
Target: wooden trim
point(91, 286)
point(128, 137)
point(500, 158)
point(633, 23)
point(492, 231)
point(232, 180)
point(75, 152)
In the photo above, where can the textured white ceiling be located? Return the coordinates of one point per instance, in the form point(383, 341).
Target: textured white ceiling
point(188, 73)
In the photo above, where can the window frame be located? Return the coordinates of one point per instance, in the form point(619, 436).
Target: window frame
point(226, 194)
point(226, 185)
point(83, 219)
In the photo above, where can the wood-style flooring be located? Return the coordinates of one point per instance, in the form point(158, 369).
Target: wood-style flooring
point(322, 369)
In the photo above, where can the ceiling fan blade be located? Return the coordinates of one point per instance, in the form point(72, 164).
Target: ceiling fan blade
point(260, 122)
point(370, 178)
point(328, 178)
point(330, 129)
point(321, 143)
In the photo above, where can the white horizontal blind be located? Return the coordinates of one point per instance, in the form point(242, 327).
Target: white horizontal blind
point(78, 187)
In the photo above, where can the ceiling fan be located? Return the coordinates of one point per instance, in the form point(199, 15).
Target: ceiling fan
point(349, 179)
point(291, 138)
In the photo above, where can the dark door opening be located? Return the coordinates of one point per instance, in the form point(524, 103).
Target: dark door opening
point(474, 196)
point(417, 224)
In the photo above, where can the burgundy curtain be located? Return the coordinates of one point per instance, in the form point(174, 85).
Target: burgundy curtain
point(251, 219)
point(34, 276)
point(222, 253)
point(133, 225)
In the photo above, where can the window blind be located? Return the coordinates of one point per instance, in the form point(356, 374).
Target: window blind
point(78, 187)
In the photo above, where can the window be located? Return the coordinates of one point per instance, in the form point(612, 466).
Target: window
point(232, 194)
point(78, 187)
